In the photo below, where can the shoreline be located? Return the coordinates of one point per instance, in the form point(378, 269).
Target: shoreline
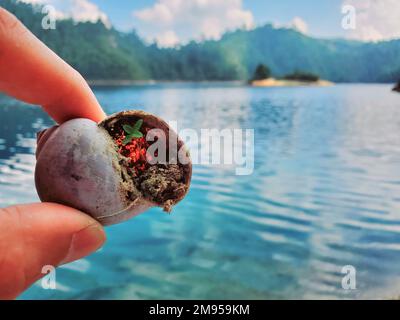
point(121, 82)
point(272, 82)
point(278, 83)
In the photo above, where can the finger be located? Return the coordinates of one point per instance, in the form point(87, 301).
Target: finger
point(31, 72)
point(36, 235)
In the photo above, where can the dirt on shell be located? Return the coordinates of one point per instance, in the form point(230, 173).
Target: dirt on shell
point(163, 184)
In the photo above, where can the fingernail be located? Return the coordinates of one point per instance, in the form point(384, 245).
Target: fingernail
point(85, 242)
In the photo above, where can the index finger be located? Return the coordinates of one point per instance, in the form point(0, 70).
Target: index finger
point(31, 72)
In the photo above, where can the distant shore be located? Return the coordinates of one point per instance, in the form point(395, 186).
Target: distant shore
point(118, 82)
point(271, 82)
point(259, 83)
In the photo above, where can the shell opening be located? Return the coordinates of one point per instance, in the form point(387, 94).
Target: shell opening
point(164, 184)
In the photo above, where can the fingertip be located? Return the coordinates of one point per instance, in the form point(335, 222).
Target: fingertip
point(85, 242)
point(41, 234)
point(32, 72)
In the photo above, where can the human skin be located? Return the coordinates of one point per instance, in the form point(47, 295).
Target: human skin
point(35, 235)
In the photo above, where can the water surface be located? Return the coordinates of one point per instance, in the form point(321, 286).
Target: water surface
point(325, 193)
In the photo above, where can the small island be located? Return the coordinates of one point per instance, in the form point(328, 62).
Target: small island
point(262, 78)
point(397, 87)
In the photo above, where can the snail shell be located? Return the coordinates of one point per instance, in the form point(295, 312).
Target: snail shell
point(78, 165)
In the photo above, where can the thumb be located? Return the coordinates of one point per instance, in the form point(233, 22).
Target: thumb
point(35, 235)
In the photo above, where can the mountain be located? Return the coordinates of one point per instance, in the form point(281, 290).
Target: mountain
point(99, 52)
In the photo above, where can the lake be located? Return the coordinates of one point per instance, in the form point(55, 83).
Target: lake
point(324, 194)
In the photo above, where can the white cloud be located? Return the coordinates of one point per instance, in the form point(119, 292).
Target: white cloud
point(160, 12)
point(167, 39)
point(171, 21)
point(296, 23)
point(299, 24)
point(375, 19)
point(78, 10)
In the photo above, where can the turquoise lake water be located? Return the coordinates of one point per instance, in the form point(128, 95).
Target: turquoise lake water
point(325, 193)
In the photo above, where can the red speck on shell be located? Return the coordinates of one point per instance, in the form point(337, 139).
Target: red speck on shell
point(135, 151)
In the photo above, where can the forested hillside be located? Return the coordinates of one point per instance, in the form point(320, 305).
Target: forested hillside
point(99, 52)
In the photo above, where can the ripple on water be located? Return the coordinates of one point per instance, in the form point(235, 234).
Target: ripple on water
point(324, 194)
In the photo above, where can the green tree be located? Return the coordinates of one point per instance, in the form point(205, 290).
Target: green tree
point(261, 72)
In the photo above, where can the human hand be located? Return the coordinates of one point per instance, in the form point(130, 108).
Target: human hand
point(35, 235)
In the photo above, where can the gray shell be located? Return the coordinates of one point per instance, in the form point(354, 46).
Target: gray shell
point(77, 165)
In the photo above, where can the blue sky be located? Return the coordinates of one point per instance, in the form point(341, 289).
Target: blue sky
point(173, 22)
point(322, 17)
